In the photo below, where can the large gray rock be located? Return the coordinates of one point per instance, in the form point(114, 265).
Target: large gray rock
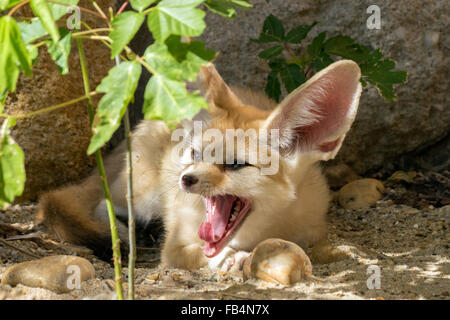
point(413, 33)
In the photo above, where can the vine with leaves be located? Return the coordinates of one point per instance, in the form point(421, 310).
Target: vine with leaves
point(294, 69)
point(172, 59)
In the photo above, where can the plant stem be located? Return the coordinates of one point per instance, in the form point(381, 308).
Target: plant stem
point(109, 204)
point(124, 5)
point(17, 6)
point(103, 39)
point(99, 10)
point(81, 8)
point(148, 10)
point(129, 197)
point(292, 54)
point(51, 108)
point(90, 31)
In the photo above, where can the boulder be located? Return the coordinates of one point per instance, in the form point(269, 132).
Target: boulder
point(412, 33)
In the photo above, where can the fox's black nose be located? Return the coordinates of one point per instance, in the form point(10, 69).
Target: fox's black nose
point(189, 180)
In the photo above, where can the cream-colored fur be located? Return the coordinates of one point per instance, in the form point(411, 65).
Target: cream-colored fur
point(290, 204)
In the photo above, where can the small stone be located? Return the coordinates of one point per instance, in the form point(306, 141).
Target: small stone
point(56, 273)
point(360, 194)
point(277, 261)
point(444, 211)
point(411, 211)
point(153, 276)
point(324, 253)
point(402, 176)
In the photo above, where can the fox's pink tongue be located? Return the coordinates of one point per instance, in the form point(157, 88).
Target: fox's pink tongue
point(218, 210)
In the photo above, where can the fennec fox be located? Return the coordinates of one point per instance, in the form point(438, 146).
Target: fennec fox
point(214, 211)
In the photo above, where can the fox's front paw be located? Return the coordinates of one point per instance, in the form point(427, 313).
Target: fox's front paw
point(235, 262)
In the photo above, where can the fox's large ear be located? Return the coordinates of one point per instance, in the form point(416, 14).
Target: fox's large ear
point(217, 93)
point(316, 116)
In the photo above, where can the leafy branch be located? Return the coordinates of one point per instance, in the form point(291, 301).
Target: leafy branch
point(293, 70)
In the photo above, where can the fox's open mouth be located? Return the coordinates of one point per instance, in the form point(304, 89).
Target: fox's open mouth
point(224, 213)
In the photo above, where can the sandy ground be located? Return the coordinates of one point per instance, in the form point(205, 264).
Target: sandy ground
point(409, 246)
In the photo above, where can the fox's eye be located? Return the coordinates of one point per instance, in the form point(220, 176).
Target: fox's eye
point(235, 166)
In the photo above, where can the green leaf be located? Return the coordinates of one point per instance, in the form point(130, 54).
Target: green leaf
point(292, 77)
point(119, 87)
point(277, 64)
point(299, 33)
point(3, 97)
point(192, 55)
point(316, 45)
point(31, 30)
point(41, 9)
point(125, 26)
point(59, 10)
point(379, 73)
point(241, 4)
point(33, 53)
point(346, 48)
point(179, 49)
point(184, 64)
point(14, 54)
point(191, 66)
point(319, 59)
point(271, 52)
point(140, 5)
point(6, 4)
point(161, 61)
point(273, 87)
point(273, 31)
point(227, 8)
point(374, 69)
point(60, 51)
point(176, 17)
point(12, 167)
point(167, 99)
